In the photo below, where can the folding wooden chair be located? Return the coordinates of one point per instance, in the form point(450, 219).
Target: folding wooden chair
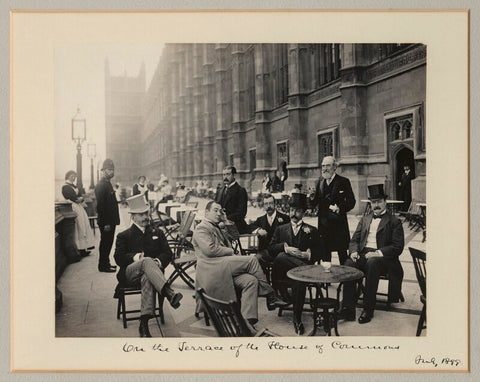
point(414, 217)
point(419, 260)
point(164, 222)
point(184, 256)
point(228, 320)
point(129, 290)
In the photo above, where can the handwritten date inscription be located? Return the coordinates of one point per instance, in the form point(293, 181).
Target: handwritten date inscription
point(421, 360)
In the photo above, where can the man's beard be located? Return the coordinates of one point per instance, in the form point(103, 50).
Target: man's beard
point(326, 175)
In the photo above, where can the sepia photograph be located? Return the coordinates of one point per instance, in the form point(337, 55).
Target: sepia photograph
point(320, 136)
point(240, 200)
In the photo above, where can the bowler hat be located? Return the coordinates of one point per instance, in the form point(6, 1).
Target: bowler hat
point(298, 200)
point(137, 204)
point(108, 164)
point(375, 191)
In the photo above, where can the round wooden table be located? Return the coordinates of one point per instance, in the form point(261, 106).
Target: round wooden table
point(316, 274)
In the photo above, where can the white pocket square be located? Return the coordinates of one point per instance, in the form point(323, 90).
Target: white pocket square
point(340, 192)
point(154, 237)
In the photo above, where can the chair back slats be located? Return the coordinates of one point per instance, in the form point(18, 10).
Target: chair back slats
point(419, 260)
point(187, 222)
point(226, 316)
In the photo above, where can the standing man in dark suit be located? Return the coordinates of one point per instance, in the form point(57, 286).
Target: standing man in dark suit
point(233, 198)
point(292, 245)
point(277, 185)
point(334, 197)
point(264, 227)
point(107, 215)
point(375, 247)
point(405, 187)
point(142, 252)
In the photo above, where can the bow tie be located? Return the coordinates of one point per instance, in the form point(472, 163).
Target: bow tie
point(378, 216)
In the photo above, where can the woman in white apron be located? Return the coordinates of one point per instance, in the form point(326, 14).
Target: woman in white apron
point(84, 238)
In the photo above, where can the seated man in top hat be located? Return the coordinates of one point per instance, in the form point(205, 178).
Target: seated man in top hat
point(265, 226)
point(292, 245)
point(375, 247)
point(142, 252)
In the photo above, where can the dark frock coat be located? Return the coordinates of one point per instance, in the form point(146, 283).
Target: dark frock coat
point(334, 227)
point(107, 205)
point(152, 243)
point(234, 200)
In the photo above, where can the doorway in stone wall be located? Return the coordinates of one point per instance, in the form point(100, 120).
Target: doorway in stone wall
point(403, 156)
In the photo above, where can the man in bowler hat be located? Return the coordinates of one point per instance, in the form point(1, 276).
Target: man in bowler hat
point(292, 245)
point(107, 215)
point(375, 247)
point(142, 252)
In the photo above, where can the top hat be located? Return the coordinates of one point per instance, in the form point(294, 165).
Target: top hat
point(137, 204)
point(108, 164)
point(298, 200)
point(375, 191)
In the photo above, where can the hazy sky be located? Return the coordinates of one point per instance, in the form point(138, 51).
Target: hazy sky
point(80, 83)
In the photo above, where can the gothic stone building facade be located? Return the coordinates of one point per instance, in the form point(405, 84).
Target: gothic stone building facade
point(256, 106)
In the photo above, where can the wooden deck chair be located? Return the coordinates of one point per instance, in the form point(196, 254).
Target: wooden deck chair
point(228, 320)
point(184, 255)
point(419, 259)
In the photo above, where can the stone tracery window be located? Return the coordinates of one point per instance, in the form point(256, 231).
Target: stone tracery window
point(401, 127)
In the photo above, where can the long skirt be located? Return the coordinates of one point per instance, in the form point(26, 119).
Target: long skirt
point(84, 238)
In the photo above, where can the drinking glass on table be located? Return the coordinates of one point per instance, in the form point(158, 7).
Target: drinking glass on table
point(326, 265)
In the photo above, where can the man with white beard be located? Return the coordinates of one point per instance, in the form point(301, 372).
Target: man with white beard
point(334, 197)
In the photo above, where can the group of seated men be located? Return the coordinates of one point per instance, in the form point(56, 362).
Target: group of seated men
point(285, 242)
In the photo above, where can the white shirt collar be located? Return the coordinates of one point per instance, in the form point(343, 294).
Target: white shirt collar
point(272, 218)
point(231, 184)
point(140, 227)
point(296, 224)
point(330, 180)
point(381, 214)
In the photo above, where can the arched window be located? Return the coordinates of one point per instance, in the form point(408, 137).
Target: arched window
point(407, 129)
point(396, 131)
point(400, 128)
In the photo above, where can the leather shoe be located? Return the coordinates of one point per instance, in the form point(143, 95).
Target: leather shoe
point(172, 297)
point(299, 328)
point(365, 317)
point(108, 269)
point(347, 314)
point(143, 329)
point(273, 302)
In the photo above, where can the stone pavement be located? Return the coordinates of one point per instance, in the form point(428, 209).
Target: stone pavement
point(89, 309)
